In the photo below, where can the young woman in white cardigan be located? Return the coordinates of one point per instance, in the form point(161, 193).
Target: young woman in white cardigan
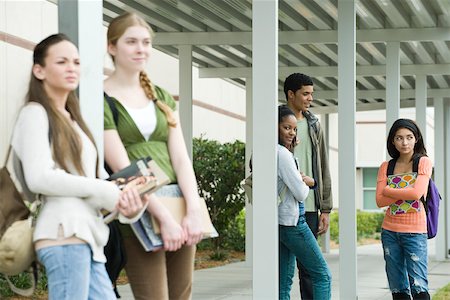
point(58, 159)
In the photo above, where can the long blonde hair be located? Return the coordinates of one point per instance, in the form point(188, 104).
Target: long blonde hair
point(66, 142)
point(116, 29)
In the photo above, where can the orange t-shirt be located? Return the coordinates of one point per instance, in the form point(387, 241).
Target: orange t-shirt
point(385, 196)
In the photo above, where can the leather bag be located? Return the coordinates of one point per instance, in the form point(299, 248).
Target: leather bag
point(16, 231)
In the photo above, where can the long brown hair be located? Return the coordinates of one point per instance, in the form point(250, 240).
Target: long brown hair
point(116, 29)
point(66, 143)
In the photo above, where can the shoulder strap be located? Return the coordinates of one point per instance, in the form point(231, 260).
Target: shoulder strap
point(391, 167)
point(113, 108)
point(416, 164)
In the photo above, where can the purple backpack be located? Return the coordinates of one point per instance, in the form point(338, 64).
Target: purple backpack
point(431, 203)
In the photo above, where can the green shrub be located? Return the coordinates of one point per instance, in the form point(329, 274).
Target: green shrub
point(334, 226)
point(368, 225)
point(219, 169)
point(235, 238)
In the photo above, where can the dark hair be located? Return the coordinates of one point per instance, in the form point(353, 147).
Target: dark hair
point(63, 136)
point(296, 81)
point(283, 112)
point(419, 147)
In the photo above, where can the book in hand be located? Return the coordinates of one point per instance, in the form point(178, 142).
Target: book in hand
point(170, 196)
point(144, 174)
point(177, 207)
point(147, 177)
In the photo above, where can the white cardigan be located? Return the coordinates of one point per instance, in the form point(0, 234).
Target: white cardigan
point(70, 200)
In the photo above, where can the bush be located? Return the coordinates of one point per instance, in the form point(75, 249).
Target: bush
point(219, 169)
point(235, 239)
point(368, 225)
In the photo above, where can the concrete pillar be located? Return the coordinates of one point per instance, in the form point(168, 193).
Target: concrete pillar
point(347, 151)
point(445, 193)
point(248, 154)
point(185, 102)
point(439, 173)
point(265, 95)
point(82, 21)
point(392, 84)
point(421, 104)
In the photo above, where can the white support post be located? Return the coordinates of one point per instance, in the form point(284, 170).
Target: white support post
point(248, 154)
point(446, 192)
point(82, 21)
point(185, 100)
point(265, 95)
point(421, 104)
point(439, 174)
point(347, 151)
point(392, 84)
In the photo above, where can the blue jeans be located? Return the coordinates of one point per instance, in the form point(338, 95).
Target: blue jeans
point(299, 242)
point(406, 261)
point(72, 274)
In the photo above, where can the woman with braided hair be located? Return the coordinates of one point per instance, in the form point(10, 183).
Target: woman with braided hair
point(148, 126)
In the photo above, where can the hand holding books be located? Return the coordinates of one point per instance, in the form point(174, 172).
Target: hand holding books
point(147, 178)
point(130, 203)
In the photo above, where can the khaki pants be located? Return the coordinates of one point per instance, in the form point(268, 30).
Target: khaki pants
point(159, 275)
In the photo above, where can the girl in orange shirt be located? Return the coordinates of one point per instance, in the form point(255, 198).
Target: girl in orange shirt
point(404, 229)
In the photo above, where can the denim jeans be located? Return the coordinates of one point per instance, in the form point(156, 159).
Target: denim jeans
point(299, 242)
point(72, 274)
point(406, 261)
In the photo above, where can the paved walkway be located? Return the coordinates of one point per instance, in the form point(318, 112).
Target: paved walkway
point(234, 281)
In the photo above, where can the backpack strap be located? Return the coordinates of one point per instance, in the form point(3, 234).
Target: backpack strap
point(113, 108)
point(416, 169)
point(416, 164)
point(391, 167)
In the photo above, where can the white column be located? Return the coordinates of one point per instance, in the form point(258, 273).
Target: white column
point(439, 173)
point(446, 192)
point(82, 21)
point(421, 104)
point(265, 95)
point(392, 84)
point(248, 154)
point(185, 100)
point(347, 151)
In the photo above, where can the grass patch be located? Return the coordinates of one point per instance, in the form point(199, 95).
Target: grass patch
point(442, 293)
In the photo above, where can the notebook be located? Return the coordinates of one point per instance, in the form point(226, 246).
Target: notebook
point(400, 181)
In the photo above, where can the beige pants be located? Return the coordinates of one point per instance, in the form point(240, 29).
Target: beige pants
point(159, 275)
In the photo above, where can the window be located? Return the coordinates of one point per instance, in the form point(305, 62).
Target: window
point(369, 187)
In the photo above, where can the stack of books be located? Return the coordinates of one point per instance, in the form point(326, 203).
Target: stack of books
point(148, 177)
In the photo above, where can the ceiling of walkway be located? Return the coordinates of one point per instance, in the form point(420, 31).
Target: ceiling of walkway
point(220, 34)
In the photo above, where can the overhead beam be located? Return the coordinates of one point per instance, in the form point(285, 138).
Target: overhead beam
point(303, 37)
point(365, 107)
point(328, 71)
point(376, 94)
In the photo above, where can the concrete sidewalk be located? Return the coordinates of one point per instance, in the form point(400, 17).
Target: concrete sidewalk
point(234, 281)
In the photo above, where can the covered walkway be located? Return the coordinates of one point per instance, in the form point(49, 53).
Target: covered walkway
point(234, 281)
